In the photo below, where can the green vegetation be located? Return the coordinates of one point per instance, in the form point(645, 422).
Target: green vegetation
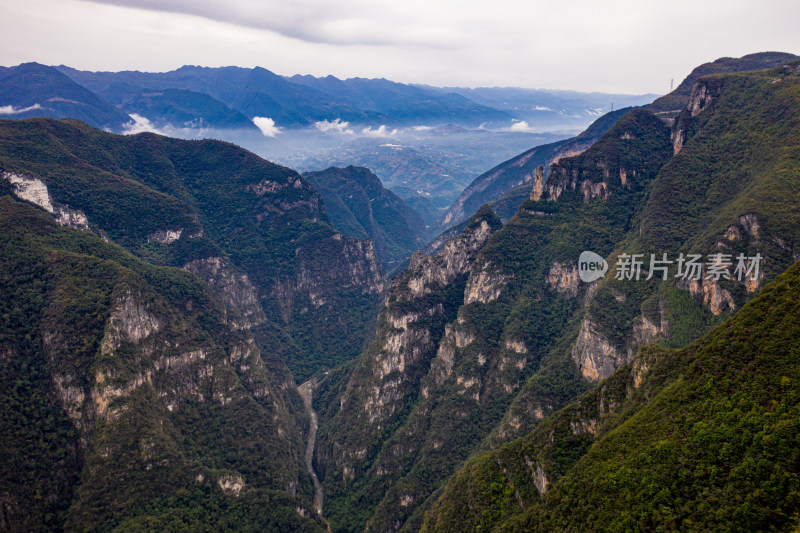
point(360, 207)
point(106, 428)
point(704, 438)
point(228, 203)
point(546, 337)
point(499, 392)
point(618, 459)
point(673, 103)
point(413, 456)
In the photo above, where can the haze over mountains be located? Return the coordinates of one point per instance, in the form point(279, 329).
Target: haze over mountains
point(425, 143)
point(164, 302)
point(519, 172)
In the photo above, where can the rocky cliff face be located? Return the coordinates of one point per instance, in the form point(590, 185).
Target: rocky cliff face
point(420, 388)
point(187, 204)
point(405, 341)
point(535, 463)
point(386, 378)
point(572, 461)
point(522, 170)
point(152, 375)
point(33, 190)
point(232, 288)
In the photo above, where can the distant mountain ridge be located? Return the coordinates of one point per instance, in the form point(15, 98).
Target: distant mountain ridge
point(178, 108)
point(302, 101)
point(296, 101)
point(33, 90)
point(547, 109)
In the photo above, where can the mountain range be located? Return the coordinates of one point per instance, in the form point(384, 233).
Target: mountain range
point(485, 340)
point(425, 143)
point(195, 338)
point(33, 90)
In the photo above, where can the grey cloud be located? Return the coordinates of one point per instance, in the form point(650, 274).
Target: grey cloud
point(352, 22)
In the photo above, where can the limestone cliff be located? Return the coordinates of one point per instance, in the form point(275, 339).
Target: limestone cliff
point(187, 204)
point(524, 169)
point(148, 379)
point(386, 378)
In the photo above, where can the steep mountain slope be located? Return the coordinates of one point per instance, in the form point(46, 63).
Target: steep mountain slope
point(702, 438)
point(520, 170)
point(529, 336)
point(508, 319)
point(133, 399)
point(217, 210)
point(729, 190)
point(380, 391)
point(360, 207)
point(669, 105)
point(34, 90)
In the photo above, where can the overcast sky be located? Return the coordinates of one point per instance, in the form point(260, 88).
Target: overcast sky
point(625, 46)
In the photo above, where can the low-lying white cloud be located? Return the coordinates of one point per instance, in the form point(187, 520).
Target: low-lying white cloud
point(422, 128)
point(139, 124)
point(542, 108)
point(267, 126)
point(334, 126)
point(520, 126)
point(381, 131)
point(11, 110)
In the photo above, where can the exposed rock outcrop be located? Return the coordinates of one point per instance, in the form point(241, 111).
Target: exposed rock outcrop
point(563, 279)
point(130, 321)
point(455, 259)
point(165, 236)
point(485, 284)
point(407, 341)
point(678, 137)
point(714, 296)
point(594, 354)
point(597, 358)
point(540, 480)
point(231, 483)
point(699, 99)
point(241, 300)
point(35, 191)
point(538, 184)
point(594, 190)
